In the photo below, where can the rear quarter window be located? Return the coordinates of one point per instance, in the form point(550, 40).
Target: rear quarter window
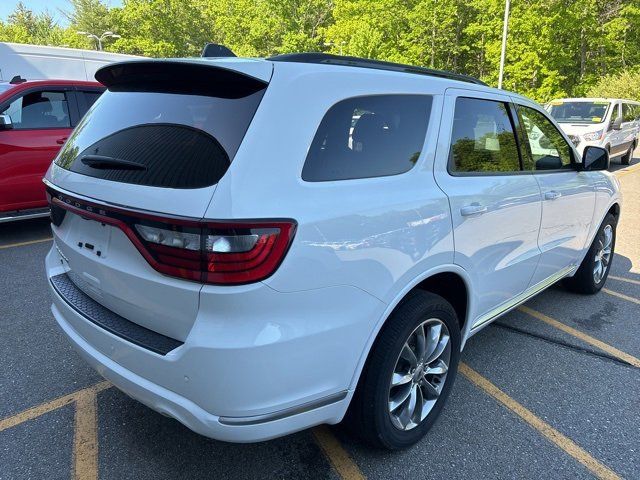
point(369, 136)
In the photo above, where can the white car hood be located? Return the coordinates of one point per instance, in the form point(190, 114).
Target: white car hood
point(581, 128)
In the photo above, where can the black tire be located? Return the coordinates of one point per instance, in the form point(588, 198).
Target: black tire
point(626, 158)
point(584, 280)
point(368, 416)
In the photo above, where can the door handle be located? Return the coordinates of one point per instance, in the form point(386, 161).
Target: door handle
point(552, 195)
point(61, 141)
point(474, 209)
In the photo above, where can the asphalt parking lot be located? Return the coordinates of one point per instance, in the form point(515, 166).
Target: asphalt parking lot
point(551, 390)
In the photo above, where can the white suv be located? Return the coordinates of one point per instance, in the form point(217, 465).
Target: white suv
point(254, 247)
point(611, 123)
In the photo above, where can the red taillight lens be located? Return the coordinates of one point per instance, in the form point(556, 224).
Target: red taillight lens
point(218, 253)
point(223, 253)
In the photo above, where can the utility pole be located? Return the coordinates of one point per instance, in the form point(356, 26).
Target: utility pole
point(503, 53)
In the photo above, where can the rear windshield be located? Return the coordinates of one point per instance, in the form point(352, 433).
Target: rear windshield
point(578, 112)
point(172, 140)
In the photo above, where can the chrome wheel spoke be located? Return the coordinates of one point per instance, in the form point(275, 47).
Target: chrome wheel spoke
point(431, 392)
point(421, 342)
point(433, 337)
point(400, 398)
point(408, 355)
point(400, 379)
point(440, 368)
point(440, 347)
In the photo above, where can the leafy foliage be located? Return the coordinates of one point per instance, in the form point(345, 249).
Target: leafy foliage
point(619, 85)
point(555, 47)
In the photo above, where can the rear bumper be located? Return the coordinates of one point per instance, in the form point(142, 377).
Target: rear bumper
point(238, 387)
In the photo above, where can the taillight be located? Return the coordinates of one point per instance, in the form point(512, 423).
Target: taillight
point(223, 253)
point(218, 253)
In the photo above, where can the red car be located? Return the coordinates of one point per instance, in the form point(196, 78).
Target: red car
point(36, 117)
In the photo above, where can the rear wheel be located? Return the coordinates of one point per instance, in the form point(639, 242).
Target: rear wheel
point(409, 373)
point(594, 269)
point(626, 158)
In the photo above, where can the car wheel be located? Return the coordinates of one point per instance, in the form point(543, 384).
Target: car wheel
point(409, 373)
point(626, 158)
point(594, 269)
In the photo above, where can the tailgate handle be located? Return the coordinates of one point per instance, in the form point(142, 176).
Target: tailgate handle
point(103, 162)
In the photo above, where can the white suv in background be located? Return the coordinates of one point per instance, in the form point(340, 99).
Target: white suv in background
point(611, 123)
point(254, 247)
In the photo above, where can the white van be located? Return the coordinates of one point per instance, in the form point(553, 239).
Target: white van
point(612, 123)
point(36, 62)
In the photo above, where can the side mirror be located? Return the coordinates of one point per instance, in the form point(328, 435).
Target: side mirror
point(5, 122)
point(616, 124)
point(595, 158)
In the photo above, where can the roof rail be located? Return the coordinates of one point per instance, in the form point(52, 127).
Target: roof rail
point(328, 58)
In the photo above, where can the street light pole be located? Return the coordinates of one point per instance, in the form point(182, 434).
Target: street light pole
point(100, 38)
point(503, 53)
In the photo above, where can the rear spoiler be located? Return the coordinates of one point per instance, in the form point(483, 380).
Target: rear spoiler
point(179, 76)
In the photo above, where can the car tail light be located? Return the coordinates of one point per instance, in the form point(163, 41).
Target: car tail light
point(223, 253)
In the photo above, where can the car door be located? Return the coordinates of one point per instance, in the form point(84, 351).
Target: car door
point(41, 122)
point(495, 207)
point(568, 195)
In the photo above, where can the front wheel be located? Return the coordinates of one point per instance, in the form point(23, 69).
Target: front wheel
point(409, 373)
point(594, 269)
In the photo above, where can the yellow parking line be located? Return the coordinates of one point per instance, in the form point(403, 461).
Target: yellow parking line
point(621, 295)
point(622, 279)
point(625, 357)
point(22, 244)
point(85, 441)
point(561, 441)
point(627, 171)
point(46, 407)
point(339, 458)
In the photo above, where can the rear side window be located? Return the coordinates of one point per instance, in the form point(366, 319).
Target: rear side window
point(38, 110)
point(161, 135)
point(482, 140)
point(371, 136)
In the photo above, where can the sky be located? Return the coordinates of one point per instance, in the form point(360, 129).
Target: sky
point(54, 7)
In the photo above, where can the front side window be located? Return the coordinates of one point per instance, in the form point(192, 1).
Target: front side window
point(37, 110)
point(546, 147)
point(367, 137)
point(482, 140)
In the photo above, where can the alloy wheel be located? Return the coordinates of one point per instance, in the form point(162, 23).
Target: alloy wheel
point(419, 374)
point(603, 254)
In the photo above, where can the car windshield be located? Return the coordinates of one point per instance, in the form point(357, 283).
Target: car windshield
point(579, 112)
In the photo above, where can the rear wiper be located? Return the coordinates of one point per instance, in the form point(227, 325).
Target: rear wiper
point(110, 163)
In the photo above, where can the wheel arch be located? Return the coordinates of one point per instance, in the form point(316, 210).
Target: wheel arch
point(439, 280)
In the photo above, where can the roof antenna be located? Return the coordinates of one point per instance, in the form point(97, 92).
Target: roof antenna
point(17, 79)
point(215, 50)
